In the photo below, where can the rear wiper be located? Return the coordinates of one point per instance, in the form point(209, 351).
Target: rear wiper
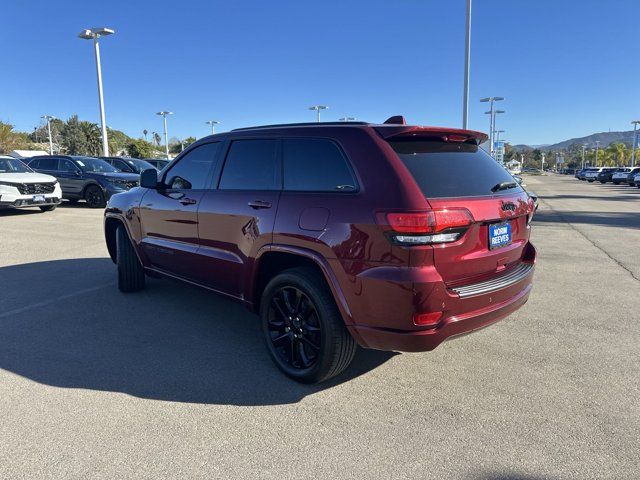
point(504, 186)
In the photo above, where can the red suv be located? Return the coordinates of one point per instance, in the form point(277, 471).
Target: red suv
point(389, 236)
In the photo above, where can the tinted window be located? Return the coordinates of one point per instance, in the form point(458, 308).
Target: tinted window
point(96, 165)
point(315, 165)
point(190, 173)
point(47, 164)
point(444, 169)
point(251, 165)
point(12, 165)
point(67, 166)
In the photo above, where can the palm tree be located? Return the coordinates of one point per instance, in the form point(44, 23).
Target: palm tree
point(144, 132)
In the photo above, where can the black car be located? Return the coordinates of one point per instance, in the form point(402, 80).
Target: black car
point(158, 163)
point(605, 175)
point(128, 165)
point(87, 178)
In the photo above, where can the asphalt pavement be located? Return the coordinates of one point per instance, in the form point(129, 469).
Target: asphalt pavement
point(174, 382)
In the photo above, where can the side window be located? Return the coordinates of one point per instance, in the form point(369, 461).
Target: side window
point(48, 164)
point(251, 165)
point(67, 166)
point(316, 165)
point(35, 164)
point(190, 173)
point(120, 165)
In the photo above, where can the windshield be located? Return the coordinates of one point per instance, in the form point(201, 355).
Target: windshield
point(444, 169)
point(139, 165)
point(90, 164)
point(12, 165)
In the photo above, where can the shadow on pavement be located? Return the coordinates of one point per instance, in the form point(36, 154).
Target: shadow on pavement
point(65, 324)
point(617, 219)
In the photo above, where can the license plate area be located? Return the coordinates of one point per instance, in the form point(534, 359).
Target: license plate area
point(38, 199)
point(499, 235)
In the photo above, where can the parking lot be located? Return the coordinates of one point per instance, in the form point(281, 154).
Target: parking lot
point(176, 383)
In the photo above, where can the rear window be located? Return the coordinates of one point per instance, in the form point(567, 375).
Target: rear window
point(444, 169)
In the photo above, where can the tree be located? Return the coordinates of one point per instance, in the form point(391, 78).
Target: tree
point(156, 138)
point(139, 148)
point(178, 145)
point(11, 140)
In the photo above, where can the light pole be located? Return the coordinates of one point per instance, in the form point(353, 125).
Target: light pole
point(543, 154)
point(317, 108)
point(213, 124)
point(597, 148)
point(467, 68)
point(492, 117)
point(166, 138)
point(635, 142)
point(48, 119)
point(94, 34)
point(584, 145)
point(498, 132)
point(347, 119)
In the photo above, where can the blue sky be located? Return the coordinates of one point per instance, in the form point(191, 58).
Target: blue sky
point(566, 67)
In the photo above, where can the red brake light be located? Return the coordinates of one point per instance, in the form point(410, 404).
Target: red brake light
point(432, 221)
point(454, 137)
point(427, 319)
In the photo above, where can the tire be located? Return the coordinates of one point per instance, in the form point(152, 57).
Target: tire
point(130, 271)
point(590, 181)
point(616, 183)
point(303, 329)
point(94, 197)
point(48, 208)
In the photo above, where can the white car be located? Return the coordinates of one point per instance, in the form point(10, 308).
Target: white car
point(592, 173)
point(22, 187)
point(624, 175)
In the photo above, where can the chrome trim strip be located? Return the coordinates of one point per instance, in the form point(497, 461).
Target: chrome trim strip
point(494, 284)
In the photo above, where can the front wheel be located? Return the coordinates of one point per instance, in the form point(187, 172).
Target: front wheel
point(303, 329)
point(130, 271)
point(94, 197)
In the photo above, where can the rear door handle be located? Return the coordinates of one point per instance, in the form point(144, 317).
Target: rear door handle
point(187, 201)
point(259, 204)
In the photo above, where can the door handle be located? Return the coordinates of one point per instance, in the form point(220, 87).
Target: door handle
point(187, 201)
point(256, 204)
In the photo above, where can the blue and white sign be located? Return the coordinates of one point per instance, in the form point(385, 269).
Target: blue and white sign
point(499, 235)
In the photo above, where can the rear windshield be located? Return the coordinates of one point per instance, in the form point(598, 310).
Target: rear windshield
point(444, 169)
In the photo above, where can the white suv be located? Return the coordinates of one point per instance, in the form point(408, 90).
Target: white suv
point(22, 187)
point(592, 173)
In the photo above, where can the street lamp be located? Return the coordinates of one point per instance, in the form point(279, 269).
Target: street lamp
point(467, 68)
point(213, 124)
point(635, 142)
point(492, 117)
point(597, 148)
point(94, 34)
point(584, 145)
point(317, 108)
point(347, 119)
point(498, 132)
point(48, 119)
point(166, 139)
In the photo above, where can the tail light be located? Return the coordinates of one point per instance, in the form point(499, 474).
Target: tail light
point(531, 208)
point(424, 228)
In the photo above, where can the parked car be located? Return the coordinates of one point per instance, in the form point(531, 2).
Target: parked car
point(636, 180)
point(21, 187)
point(87, 178)
point(128, 165)
point(158, 163)
point(625, 175)
point(391, 237)
point(591, 174)
point(582, 175)
point(605, 174)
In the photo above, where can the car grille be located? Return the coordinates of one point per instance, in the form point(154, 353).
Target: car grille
point(35, 188)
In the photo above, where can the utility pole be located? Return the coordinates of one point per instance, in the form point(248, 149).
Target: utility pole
point(166, 138)
point(317, 108)
point(48, 119)
point(635, 142)
point(94, 34)
point(467, 69)
point(543, 154)
point(583, 147)
point(597, 148)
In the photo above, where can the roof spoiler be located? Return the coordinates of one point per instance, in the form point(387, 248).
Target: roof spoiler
point(441, 133)
point(395, 120)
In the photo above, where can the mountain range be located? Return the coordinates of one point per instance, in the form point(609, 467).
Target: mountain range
point(605, 138)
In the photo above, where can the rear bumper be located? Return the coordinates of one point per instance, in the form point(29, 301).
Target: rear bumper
point(425, 340)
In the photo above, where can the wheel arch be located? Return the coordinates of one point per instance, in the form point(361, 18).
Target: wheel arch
point(275, 259)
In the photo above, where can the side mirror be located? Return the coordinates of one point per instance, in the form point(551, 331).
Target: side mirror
point(149, 178)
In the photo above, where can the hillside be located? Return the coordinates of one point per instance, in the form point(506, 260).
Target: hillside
point(605, 139)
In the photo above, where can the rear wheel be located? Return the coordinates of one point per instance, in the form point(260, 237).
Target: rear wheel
point(48, 208)
point(94, 197)
point(303, 329)
point(130, 271)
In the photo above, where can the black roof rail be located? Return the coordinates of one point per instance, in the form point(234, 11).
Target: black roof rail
point(304, 124)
